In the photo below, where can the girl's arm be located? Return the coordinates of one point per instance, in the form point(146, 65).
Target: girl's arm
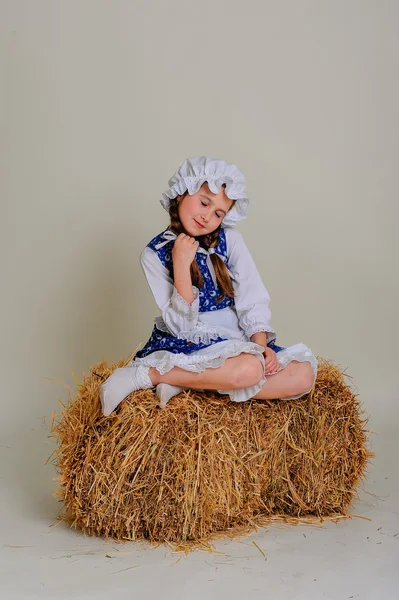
point(178, 314)
point(251, 297)
point(260, 338)
point(183, 254)
point(183, 284)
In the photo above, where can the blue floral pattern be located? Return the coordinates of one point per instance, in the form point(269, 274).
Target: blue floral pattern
point(209, 293)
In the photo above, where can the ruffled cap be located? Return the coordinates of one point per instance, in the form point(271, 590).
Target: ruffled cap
point(193, 173)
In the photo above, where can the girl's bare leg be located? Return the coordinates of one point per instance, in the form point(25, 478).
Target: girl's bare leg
point(240, 372)
point(296, 378)
point(236, 373)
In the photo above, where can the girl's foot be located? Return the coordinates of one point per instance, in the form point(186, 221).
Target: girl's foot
point(121, 383)
point(165, 392)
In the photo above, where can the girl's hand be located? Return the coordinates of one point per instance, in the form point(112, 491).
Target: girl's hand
point(184, 250)
point(271, 363)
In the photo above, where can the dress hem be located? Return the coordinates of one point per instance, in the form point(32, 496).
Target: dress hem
point(215, 356)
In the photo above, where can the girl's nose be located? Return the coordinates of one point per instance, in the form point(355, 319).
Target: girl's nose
point(206, 216)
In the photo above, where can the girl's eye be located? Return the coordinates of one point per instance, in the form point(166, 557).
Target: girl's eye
point(219, 216)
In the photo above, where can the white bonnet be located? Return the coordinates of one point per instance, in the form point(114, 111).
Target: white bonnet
point(193, 173)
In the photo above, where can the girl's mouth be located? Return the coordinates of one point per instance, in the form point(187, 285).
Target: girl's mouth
point(199, 224)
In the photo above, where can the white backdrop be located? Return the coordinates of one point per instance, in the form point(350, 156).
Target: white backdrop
point(102, 100)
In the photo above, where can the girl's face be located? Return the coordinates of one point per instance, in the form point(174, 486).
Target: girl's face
point(203, 212)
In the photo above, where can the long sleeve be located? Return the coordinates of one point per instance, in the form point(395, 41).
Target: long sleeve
point(251, 297)
point(178, 315)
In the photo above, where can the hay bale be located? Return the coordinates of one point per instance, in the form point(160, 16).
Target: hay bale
point(204, 466)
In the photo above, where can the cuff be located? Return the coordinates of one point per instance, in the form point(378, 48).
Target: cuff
point(258, 327)
point(181, 306)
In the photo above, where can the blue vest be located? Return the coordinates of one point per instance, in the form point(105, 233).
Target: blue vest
point(209, 292)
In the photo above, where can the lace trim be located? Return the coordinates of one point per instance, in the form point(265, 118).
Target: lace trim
point(201, 335)
point(164, 361)
point(258, 327)
point(198, 335)
point(183, 307)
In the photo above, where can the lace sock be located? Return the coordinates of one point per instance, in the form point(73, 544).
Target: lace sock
point(165, 392)
point(121, 383)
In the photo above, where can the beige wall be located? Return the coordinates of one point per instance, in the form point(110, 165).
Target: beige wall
point(102, 100)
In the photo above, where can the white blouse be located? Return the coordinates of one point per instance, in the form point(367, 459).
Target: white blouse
point(251, 313)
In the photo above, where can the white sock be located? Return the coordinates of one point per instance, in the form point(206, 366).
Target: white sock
point(121, 383)
point(165, 392)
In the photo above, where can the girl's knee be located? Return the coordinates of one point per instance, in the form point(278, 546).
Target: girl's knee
point(247, 372)
point(307, 377)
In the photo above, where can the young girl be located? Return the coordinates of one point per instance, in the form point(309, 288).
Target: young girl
point(214, 332)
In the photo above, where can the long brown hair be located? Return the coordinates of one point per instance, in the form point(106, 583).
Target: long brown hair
point(206, 241)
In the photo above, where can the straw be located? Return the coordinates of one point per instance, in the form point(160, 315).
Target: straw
point(205, 467)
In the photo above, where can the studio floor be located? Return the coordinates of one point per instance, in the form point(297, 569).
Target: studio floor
point(41, 558)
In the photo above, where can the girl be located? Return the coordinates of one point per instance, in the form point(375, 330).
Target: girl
point(214, 332)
